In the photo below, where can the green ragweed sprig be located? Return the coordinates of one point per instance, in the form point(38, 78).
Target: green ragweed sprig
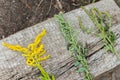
point(78, 51)
point(34, 54)
point(103, 23)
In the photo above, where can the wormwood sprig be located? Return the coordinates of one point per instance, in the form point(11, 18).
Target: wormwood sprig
point(103, 22)
point(33, 54)
point(78, 51)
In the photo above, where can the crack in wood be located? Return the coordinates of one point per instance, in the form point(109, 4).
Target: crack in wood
point(13, 75)
point(65, 66)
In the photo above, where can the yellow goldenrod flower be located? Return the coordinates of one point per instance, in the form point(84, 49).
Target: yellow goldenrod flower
point(33, 52)
point(31, 61)
point(38, 38)
point(44, 58)
point(16, 47)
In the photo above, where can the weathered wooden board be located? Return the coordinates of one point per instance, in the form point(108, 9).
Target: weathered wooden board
point(12, 64)
point(112, 74)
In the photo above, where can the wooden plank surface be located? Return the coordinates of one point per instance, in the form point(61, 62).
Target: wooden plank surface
point(12, 64)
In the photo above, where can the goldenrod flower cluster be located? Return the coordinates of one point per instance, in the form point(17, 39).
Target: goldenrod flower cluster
point(33, 52)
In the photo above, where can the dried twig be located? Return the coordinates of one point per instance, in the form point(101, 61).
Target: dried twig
point(49, 7)
point(59, 4)
point(39, 5)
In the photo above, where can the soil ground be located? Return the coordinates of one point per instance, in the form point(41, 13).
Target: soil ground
point(16, 15)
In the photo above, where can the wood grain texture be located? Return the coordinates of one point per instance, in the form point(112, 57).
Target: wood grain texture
point(12, 64)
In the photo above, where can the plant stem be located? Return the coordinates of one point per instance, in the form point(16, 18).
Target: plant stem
point(77, 51)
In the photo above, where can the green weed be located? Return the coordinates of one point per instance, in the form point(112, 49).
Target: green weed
point(78, 51)
point(103, 22)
